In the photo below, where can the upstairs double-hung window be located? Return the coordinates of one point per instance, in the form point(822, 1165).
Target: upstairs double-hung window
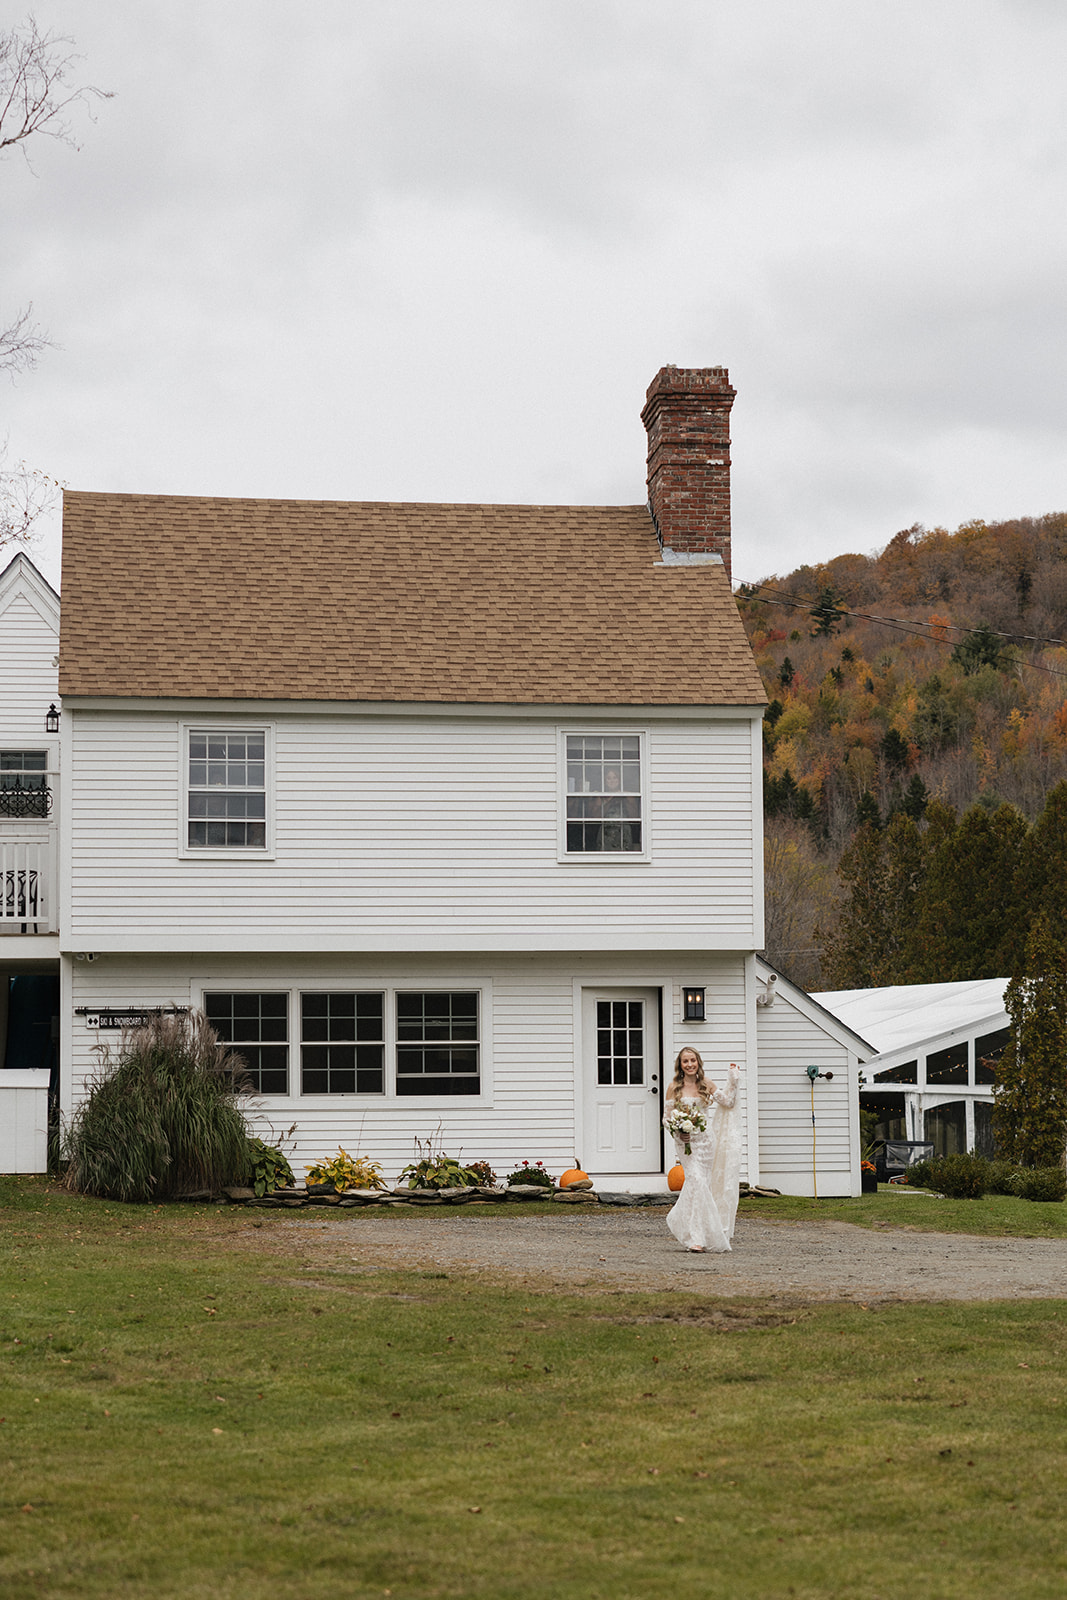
point(604, 799)
point(227, 789)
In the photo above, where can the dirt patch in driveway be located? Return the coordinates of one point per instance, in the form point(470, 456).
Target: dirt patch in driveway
point(632, 1250)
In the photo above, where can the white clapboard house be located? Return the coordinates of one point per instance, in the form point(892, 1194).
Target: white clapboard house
point(447, 815)
point(29, 940)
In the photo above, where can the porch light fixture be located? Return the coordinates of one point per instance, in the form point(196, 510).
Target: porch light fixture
point(51, 721)
point(694, 1005)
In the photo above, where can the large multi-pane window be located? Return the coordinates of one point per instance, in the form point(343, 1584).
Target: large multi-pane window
point(437, 1043)
point(342, 1043)
point(257, 1026)
point(603, 794)
point(24, 790)
point(227, 790)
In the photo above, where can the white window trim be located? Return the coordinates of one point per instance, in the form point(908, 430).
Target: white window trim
point(295, 1101)
point(602, 858)
point(224, 725)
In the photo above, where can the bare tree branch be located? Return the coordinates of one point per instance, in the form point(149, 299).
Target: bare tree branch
point(35, 87)
point(25, 492)
point(36, 95)
point(21, 344)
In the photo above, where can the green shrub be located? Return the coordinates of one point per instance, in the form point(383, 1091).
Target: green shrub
point(1001, 1177)
point(920, 1175)
point(164, 1118)
point(269, 1168)
point(533, 1175)
point(1041, 1183)
point(347, 1172)
point(961, 1177)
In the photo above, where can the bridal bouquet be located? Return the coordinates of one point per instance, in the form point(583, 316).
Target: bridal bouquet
point(685, 1121)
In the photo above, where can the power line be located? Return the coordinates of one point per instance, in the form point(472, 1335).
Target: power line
point(900, 624)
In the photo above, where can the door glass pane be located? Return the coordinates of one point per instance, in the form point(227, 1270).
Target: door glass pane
point(620, 1041)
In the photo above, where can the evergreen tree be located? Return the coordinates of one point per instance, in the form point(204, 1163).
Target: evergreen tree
point(854, 948)
point(915, 798)
point(895, 749)
point(1030, 1097)
point(867, 812)
point(979, 648)
point(786, 673)
point(964, 920)
point(827, 613)
point(1041, 880)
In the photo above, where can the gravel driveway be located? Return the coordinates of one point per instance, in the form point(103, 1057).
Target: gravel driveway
point(633, 1250)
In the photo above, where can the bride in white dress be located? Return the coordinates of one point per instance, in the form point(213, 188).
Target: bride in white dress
point(702, 1218)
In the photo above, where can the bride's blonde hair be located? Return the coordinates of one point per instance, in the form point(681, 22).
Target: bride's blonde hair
point(679, 1076)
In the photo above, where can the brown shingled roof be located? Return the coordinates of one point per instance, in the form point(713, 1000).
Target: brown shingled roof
point(325, 600)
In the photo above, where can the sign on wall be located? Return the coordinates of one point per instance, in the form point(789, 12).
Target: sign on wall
point(119, 1017)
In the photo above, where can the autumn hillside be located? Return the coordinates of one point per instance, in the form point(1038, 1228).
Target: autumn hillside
point(930, 673)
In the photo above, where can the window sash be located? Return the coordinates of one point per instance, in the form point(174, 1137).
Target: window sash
point(342, 1042)
point(226, 789)
point(437, 1043)
point(256, 1025)
point(604, 794)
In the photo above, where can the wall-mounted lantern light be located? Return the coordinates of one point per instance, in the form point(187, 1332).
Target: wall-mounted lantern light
point(693, 1009)
point(51, 721)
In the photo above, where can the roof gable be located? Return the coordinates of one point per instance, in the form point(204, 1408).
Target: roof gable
point(20, 580)
point(810, 1008)
point(328, 600)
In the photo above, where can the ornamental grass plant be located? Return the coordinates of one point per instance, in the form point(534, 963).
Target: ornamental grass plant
point(164, 1116)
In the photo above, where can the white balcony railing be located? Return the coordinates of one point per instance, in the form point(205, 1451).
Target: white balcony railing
point(28, 884)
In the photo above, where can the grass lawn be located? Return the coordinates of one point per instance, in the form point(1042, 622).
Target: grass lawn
point(994, 1214)
point(189, 1411)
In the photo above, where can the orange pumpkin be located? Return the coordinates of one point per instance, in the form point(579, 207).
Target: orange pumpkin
point(573, 1175)
point(676, 1177)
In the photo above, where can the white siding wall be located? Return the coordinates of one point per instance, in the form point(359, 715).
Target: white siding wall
point(29, 678)
point(530, 1042)
point(405, 833)
point(788, 1041)
point(29, 683)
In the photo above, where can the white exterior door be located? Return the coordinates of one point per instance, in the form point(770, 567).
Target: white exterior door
point(621, 1080)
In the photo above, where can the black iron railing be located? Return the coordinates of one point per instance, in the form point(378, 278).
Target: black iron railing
point(18, 802)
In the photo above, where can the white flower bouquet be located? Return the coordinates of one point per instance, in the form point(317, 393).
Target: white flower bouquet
point(684, 1121)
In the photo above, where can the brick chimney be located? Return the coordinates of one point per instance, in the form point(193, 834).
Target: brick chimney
point(687, 418)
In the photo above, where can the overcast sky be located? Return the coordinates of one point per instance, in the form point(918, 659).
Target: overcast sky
point(437, 249)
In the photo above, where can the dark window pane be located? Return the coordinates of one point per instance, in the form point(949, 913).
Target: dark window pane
point(947, 1066)
point(987, 1053)
point(906, 1072)
point(984, 1143)
point(248, 1021)
point(946, 1126)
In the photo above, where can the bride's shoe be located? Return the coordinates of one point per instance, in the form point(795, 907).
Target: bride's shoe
point(696, 1249)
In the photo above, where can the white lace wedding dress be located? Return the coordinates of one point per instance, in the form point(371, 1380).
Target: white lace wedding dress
point(703, 1215)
